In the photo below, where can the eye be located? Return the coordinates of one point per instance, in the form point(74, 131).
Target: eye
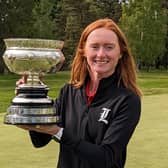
point(94, 46)
point(109, 46)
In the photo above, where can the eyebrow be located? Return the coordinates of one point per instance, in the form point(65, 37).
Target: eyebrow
point(110, 43)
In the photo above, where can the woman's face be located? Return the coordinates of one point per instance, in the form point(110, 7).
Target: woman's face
point(102, 52)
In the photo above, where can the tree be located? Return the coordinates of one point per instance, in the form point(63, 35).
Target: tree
point(107, 8)
point(43, 23)
point(76, 19)
point(58, 16)
point(165, 57)
point(15, 21)
point(165, 3)
point(16, 18)
point(145, 26)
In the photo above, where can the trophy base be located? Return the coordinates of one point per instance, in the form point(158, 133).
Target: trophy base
point(31, 106)
point(30, 120)
point(18, 115)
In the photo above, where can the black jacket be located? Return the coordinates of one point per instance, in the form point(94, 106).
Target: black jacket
point(94, 136)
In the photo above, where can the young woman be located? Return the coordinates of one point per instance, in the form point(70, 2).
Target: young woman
point(100, 106)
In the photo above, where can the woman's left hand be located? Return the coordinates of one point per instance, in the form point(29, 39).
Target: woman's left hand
point(48, 129)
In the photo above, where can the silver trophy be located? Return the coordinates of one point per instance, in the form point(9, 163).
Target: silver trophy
point(32, 57)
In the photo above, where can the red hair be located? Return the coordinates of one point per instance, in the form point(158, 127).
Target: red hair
point(126, 67)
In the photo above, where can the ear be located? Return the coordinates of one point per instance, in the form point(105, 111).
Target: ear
point(120, 56)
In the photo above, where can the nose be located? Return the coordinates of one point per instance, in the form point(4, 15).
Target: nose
point(101, 52)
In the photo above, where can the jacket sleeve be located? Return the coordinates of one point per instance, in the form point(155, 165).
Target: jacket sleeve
point(115, 139)
point(39, 139)
point(42, 139)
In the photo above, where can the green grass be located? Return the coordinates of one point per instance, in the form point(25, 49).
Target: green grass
point(147, 148)
point(153, 83)
point(16, 150)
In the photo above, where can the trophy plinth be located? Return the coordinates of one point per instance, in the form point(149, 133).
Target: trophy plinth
point(32, 57)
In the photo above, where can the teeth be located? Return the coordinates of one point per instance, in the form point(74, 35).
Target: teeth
point(101, 61)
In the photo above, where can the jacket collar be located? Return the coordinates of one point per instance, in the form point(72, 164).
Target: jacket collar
point(106, 82)
point(107, 87)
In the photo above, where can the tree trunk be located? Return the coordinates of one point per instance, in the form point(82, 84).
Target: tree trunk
point(2, 64)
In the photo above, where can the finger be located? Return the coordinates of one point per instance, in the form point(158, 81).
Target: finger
point(19, 82)
point(25, 127)
point(37, 126)
point(22, 80)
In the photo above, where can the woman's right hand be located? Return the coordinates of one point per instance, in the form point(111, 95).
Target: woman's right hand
point(22, 80)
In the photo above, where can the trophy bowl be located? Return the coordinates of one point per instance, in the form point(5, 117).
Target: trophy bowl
point(32, 57)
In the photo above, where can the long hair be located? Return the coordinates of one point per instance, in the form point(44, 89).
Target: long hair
point(126, 68)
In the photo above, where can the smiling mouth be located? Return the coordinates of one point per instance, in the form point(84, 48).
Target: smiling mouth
point(101, 61)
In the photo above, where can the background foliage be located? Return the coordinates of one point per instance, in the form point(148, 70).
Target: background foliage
point(144, 22)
